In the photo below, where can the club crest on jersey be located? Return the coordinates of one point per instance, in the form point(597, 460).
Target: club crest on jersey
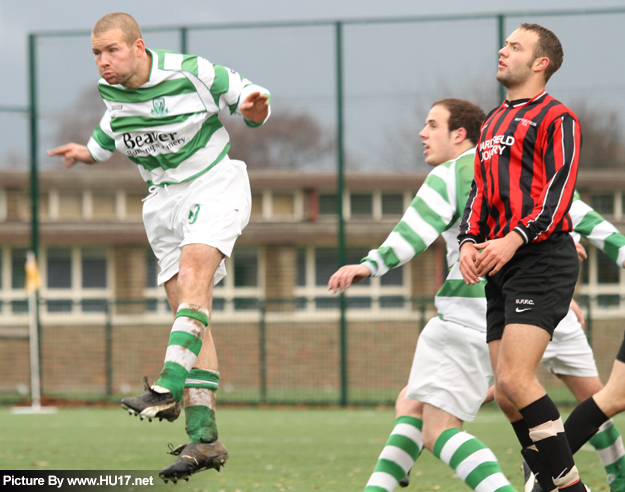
point(159, 107)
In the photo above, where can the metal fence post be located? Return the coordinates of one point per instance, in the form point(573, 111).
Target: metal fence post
point(262, 349)
point(108, 333)
point(340, 187)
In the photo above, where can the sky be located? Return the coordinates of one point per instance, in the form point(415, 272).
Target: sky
point(18, 19)
point(390, 69)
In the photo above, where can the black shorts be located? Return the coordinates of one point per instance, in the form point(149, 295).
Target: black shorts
point(534, 288)
point(621, 353)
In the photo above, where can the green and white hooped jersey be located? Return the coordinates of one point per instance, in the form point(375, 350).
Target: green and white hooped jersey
point(169, 126)
point(437, 209)
point(601, 233)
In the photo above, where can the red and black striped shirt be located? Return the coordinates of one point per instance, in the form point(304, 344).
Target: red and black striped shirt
point(525, 171)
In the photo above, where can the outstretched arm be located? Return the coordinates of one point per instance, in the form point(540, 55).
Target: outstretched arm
point(73, 153)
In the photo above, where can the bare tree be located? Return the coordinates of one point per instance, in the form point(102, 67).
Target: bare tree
point(286, 141)
point(602, 135)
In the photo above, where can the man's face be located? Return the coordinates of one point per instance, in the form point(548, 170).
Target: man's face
point(517, 58)
point(116, 61)
point(437, 139)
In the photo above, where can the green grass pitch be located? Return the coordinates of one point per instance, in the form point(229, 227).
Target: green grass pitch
point(271, 449)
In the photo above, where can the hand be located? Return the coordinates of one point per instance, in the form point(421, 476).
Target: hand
point(468, 256)
point(578, 312)
point(255, 107)
point(73, 153)
point(346, 276)
point(497, 253)
point(581, 252)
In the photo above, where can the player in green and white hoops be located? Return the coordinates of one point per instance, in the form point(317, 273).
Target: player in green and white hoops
point(435, 209)
point(162, 113)
point(451, 371)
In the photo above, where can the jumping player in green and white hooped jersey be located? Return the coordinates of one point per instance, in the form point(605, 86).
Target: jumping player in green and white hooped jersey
point(446, 377)
point(161, 112)
point(169, 126)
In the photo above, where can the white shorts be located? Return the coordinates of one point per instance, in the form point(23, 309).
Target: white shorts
point(451, 369)
point(568, 353)
point(212, 209)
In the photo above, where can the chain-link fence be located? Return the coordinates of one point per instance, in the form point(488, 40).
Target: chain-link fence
point(275, 352)
point(362, 87)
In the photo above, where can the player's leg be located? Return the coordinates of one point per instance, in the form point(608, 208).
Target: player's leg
point(198, 263)
point(570, 357)
point(474, 463)
point(593, 412)
point(402, 448)
point(520, 352)
point(204, 449)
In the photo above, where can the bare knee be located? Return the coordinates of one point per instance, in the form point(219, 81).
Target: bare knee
point(407, 407)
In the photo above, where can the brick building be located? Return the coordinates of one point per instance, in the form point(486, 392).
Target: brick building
point(275, 323)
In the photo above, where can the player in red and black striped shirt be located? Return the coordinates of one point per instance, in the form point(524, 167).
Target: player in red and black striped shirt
point(525, 174)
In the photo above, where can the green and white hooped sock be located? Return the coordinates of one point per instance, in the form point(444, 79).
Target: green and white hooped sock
point(199, 405)
point(609, 446)
point(398, 456)
point(472, 461)
point(185, 342)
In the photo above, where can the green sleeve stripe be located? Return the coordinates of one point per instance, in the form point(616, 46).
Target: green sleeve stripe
point(428, 215)
point(192, 313)
point(458, 288)
point(612, 244)
point(130, 96)
point(438, 185)
point(103, 140)
point(252, 124)
point(133, 123)
point(388, 256)
point(411, 236)
point(189, 64)
point(186, 340)
point(221, 83)
point(588, 223)
point(172, 160)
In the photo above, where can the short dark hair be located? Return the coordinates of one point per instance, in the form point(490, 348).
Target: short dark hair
point(548, 45)
point(463, 114)
point(119, 20)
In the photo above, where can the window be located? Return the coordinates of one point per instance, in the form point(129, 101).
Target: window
point(301, 267)
point(94, 268)
point(18, 270)
point(316, 265)
point(59, 268)
point(328, 204)
point(151, 269)
point(607, 271)
point(245, 267)
point(603, 203)
point(361, 205)
point(392, 204)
